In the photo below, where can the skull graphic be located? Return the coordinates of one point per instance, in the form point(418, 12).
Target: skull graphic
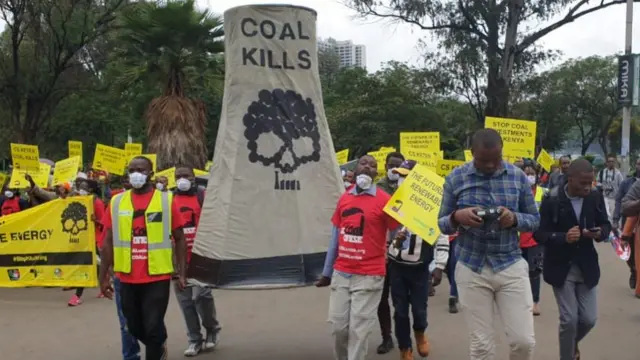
point(291, 121)
point(74, 218)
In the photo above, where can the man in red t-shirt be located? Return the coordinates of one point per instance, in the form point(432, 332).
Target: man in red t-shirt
point(358, 248)
point(196, 300)
point(144, 297)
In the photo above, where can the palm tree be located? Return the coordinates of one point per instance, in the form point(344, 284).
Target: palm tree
point(174, 45)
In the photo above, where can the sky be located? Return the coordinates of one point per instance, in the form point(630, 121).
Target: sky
point(600, 33)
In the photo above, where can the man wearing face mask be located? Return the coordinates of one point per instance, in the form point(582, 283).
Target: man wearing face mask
point(487, 201)
point(10, 202)
point(162, 183)
point(347, 178)
point(357, 252)
point(196, 300)
point(139, 226)
point(390, 184)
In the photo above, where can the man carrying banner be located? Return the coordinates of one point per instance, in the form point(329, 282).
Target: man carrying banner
point(358, 248)
point(488, 201)
point(139, 225)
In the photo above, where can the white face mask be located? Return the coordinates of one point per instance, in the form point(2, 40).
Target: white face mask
point(183, 184)
point(8, 194)
point(364, 181)
point(532, 179)
point(392, 176)
point(83, 192)
point(160, 186)
point(347, 184)
point(137, 180)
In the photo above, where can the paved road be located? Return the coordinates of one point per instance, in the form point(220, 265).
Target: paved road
point(290, 324)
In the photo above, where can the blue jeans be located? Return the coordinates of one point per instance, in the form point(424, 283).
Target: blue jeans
point(130, 346)
point(451, 270)
point(409, 287)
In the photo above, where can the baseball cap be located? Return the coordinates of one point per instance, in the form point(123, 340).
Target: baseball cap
point(405, 168)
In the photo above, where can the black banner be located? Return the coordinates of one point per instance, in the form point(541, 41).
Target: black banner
point(625, 79)
point(71, 258)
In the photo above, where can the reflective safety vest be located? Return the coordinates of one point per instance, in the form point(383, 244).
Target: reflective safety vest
point(158, 223)
point(540, 191)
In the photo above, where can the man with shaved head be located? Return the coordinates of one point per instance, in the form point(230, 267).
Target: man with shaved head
point(355, 265)
point(573, 216)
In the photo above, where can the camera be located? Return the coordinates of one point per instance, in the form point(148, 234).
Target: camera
point(490, 218)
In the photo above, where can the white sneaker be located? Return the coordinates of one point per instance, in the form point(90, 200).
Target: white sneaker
point(211, 340)
point(193, 350)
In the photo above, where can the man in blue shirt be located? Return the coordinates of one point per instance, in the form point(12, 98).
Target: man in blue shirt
point(490, 269)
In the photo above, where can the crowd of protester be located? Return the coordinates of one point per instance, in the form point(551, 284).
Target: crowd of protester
point(504, 227)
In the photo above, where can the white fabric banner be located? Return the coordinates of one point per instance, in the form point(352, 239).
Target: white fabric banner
point(275, 180)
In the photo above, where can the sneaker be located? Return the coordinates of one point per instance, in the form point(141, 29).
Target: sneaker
point(386, 346)
point(193, 350)
point(211, 341)
point(453, 305)
point(75, 301)
point(422, 343)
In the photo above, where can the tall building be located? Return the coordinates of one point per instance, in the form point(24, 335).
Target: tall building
point(350, 55)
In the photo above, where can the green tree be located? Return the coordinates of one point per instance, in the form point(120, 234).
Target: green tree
point(172, 46)
point(493, 32)
point(42, 57)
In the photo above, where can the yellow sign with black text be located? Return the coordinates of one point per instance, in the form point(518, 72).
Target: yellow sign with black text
point(75, 149)
point(132, 150)
point(52, 244)
point(545, 160)
point(518, 137)
point(109, 159)
point(425, 141)
point(446, 166)
point(416, 203)
point(25, 157)
point(65, 170)
point(3, 179)
point(40, 177)
point(342, 156)
point(468, 156)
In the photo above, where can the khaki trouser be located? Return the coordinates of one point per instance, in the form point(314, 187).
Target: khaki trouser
point(508, 289)
point(353, 307)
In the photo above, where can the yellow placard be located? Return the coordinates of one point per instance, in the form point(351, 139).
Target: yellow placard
point(109, 159)
point(65, 170)
point(52, 244)
point(132, 150)
point(468, 156)
point(3, 179)
point(381, 158)
point(25, 157)
point(209, 165)
point(342, 156)
point(423, 157)
point(441, 153)
point(199, 172)
point(416, 203)
point(518, 136)
point(40, 177)
point(154, 159)
point(75, 149)
point(170, 174)
point(545, 160)
point(426, 141)
point(446, 166)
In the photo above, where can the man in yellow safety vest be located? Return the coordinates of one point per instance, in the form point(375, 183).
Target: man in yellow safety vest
point(139, 225)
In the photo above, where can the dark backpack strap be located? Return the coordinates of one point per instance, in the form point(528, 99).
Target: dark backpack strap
point(200, 194)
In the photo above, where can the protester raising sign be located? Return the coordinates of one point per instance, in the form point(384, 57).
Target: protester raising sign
point(65, 170)
point(52, 244)
point(416, 203)
point(40, 177)
point(109, 159)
